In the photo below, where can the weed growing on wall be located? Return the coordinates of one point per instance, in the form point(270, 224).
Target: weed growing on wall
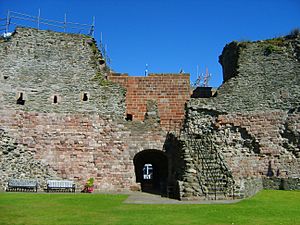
point(100, 78)
point(270, 49)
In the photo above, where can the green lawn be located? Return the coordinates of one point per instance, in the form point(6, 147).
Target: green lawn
point(267, 207)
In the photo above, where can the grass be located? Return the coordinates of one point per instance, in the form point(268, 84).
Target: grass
point(267, 207)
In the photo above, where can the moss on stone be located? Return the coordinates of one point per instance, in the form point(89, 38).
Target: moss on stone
point(269, 49)
point(276, 41)
point(94, 48)
point(100, 78)
point(243, 44)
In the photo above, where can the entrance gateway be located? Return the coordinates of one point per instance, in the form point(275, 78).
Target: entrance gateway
point(151, 171)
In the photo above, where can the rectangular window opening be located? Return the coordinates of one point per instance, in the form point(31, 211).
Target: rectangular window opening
point(129, 117)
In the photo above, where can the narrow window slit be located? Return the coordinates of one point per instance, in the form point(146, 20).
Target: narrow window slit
point(85, 97)
point(20, 100)
point(55, 99)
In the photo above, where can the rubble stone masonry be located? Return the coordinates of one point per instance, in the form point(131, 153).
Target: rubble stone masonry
point(75, 146)
point(252, 122)
point(60, 118)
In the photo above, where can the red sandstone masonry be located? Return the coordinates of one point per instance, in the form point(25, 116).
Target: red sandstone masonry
point(171, 91)
point(79, 146)
point(265, 127)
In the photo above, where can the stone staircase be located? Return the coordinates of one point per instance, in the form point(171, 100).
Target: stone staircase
point(213, 175)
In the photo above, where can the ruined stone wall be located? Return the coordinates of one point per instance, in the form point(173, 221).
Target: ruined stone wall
point(267, 77)
point(84, 133)
point(44, 64)
point(17, 161)
point(171, 91)
point(253, 120)
point(228, 145)
point(76, 147)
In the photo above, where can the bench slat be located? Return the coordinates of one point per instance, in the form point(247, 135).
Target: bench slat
point(60, 184)
point(22, 184)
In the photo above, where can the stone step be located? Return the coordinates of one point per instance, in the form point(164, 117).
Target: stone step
point(217, 187)
point(213, 184)
point(211, 164)
point(216, 193)
point(208, 159)
point(220, 182)
point(212, 168)
point(214, 180)
point(211, 178)
point(214, 175)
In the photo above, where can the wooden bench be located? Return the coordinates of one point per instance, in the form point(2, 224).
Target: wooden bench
point(60, 185)
point(22, 185)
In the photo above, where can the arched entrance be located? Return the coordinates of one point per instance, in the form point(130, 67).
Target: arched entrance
point(151, 170)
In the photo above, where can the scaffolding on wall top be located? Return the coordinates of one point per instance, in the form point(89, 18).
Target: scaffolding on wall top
point(21, 19)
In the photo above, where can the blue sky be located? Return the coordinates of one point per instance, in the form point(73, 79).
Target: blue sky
point(170, 35)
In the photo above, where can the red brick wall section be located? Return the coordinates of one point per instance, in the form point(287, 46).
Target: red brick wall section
point(171, 91)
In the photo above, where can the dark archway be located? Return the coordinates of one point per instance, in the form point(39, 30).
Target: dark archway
point(159, 161)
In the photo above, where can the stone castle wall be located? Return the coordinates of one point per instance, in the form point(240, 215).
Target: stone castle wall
point(44, 64)
point(61, 119)
point(253, 120)
point(80, 135)
point(78, 146)
point(170, 91)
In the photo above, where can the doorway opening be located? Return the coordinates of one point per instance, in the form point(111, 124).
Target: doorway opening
point(151, 170)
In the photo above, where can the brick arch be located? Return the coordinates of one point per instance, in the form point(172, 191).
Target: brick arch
point(145, 141)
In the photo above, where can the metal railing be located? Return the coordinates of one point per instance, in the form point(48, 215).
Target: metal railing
point(21, 19)
point(14, 19)
point(3, 24)
point(103, 50)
